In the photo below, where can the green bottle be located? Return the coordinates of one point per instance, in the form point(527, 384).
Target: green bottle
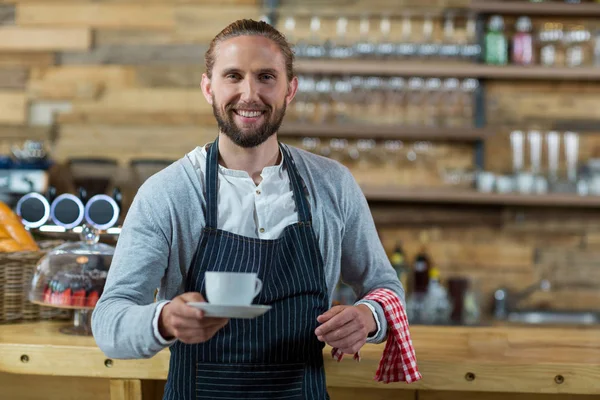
point(398, 261)
point(496, 45)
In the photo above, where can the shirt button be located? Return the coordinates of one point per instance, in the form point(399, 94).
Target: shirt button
point(258, 192)
point(262, 230)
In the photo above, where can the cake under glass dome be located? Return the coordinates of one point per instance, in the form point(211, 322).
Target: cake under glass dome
point(72, 276)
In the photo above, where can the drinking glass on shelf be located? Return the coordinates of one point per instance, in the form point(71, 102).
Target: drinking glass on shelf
point(359, 98)
point(311, 144)
point(414, 103)
point(451, 105)
point(392, 152)
point(432, 102)
point(323, 112)
point(305, 99)
point(375, 99)
point(468, 88)
point(339, 149)
point(342, 98)
point(394, 113)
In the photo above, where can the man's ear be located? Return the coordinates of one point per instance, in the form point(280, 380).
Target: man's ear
point(292, 89)
point(206, 88)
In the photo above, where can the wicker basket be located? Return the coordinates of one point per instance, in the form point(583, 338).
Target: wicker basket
point(16, 273)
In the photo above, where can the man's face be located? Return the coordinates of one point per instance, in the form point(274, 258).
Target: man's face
point(249, 90)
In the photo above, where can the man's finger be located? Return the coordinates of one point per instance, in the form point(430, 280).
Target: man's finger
point(348, 342)
point(332, 312)
point(340, 333)
point(182, 310)
point(335, 322)
point(192, 297)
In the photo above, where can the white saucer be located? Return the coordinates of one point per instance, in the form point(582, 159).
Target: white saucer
point(223, 311)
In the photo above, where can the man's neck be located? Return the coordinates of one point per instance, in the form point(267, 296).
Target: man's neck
point(252, 160)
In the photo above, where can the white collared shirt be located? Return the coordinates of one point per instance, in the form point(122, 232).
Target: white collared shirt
point(258, 211)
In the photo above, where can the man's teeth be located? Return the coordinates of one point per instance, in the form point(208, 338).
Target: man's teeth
point(249, 114)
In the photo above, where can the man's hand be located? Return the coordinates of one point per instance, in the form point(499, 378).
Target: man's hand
point(346, 327)
point(186, 323)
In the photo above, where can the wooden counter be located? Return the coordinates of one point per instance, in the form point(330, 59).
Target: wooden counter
point(451, 359)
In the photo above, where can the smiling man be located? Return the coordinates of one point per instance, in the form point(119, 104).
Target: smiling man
point(247, 203)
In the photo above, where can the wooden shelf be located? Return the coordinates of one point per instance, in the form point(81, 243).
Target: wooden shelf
point(444, 70)
point(448, 196)
point(528, 8)
point(360, 131)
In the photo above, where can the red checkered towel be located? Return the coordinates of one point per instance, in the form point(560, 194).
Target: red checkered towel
point(398, 363)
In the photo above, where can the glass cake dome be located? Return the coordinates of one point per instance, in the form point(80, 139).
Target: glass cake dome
point(72, 276)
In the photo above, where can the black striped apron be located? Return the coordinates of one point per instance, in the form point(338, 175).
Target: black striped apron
point(274, 356)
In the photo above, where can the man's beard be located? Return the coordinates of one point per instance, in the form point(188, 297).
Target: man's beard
point(254, 136)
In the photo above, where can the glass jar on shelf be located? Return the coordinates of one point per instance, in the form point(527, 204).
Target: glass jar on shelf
point(414, 102)
point(433, 102)
point(364, 48)
point(468, 88)
point(550, 40)
point(576, 42)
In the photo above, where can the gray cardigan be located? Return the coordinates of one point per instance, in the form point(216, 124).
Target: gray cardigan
point(162, 229)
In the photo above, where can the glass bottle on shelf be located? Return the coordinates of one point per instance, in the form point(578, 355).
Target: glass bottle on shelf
point(496, 47)
point(375, 100)
point(289, 28)
point(428, 48)
point(422, 266)
point(470, 50)
point(406, 48)
point(385, 47)
point(340, 48)
point(450, 48)
point(315, 48)
point(398, 261)
point(522, 43)
point(364, 48)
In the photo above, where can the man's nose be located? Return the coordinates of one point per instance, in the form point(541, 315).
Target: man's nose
point(249, 90)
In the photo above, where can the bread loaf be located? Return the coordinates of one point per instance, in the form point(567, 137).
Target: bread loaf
point(13, 235)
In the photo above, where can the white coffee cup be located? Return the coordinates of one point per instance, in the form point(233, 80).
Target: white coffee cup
point(232, 288)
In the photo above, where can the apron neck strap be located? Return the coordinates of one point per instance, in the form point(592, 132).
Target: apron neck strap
point(212, 185)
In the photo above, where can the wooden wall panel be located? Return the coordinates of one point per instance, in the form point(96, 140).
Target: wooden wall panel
point(132, 54)
point(13, 108)
point(94, 15)
point(44, 39)
point(13, 78)
point(78, 82)
point(7, 14)
point(26, 59)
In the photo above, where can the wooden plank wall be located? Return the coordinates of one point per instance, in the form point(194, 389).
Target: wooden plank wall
point(127, 73)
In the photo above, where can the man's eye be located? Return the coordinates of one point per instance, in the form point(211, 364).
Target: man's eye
point(231, 76)
point(267, 77)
